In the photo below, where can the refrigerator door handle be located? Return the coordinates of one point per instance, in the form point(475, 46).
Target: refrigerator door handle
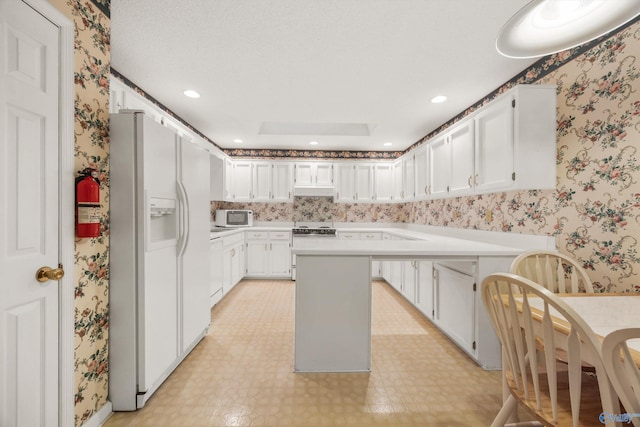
point(184, 218)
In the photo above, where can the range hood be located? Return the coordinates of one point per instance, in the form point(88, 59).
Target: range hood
point(313, 190)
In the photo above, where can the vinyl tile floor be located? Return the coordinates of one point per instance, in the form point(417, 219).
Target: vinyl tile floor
point(241, 374)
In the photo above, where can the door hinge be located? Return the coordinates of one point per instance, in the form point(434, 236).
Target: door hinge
point(433, 313)
point(473, 345)
point(474, 287)
point(513, 103)
point(513, 176)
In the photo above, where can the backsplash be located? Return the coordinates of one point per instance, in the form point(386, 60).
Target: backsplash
point(318, 209)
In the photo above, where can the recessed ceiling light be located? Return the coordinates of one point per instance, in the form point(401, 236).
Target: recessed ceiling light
point(387, 144)
point(314, 143)
point(438, 99)
point(239, 141)
point(191, 93)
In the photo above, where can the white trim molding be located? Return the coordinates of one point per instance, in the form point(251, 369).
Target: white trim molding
point(100, 417)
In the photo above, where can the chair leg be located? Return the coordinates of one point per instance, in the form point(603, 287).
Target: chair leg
point(508, 408)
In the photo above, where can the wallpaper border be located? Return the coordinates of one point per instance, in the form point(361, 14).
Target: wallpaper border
point(104, 6)
point(160, 105)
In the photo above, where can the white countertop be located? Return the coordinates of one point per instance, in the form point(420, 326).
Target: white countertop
point(425, 241)
point(431, 245)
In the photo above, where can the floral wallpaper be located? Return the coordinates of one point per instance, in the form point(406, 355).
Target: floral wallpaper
point(91, 275)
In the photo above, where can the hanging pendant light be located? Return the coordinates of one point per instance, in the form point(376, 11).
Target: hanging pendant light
point(543, 27)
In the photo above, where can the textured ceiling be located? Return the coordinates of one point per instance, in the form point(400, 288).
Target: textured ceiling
point(313, 68)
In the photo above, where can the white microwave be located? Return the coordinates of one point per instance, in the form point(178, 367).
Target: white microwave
point(234, 218)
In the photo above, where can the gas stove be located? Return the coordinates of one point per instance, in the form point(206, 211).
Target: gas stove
point(314, 229)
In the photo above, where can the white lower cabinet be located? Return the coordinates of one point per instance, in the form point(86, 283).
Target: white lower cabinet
point(408, 287)
point(233, 256)
point(216, 268)
point(424, 288)
point(268, 254)
point(454, 304)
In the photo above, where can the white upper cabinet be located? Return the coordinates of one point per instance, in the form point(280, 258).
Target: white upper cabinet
point(261, 181)
point(409, 177)
point(364, 182)
point(461, 144)
point(494, 147)
point(509, 144)
point(439, 166)
point(345, 182)
point(383, 185)
point(451, 161)
point(313, 173)
point(241, 183)
point(516, 140)
point(397, 181)
point(281, 181)
point(257, 181)
point(422, 173)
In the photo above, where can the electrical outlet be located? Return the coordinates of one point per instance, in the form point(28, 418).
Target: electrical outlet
point(488, 215)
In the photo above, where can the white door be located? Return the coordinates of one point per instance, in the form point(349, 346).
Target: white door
point(29, 223)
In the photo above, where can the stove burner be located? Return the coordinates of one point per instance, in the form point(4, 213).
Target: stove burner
point(320, 231)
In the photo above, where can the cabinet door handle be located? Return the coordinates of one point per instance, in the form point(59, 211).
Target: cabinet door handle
point(270, 246)
point(469, 181)
point(476, 179)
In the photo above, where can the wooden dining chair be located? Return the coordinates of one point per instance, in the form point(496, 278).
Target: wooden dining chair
point(525, 314)
point(623, 370)
point(553, 270)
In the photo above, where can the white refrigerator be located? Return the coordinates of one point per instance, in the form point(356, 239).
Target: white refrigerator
point(159, 245)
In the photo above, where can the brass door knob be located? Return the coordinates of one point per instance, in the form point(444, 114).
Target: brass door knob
point(48, 273)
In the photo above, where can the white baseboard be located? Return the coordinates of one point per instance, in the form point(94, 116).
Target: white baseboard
point(99, 417)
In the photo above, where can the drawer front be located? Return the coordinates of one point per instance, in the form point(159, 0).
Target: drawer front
point(371, 235)
point(348, 235)
point(279, 235)
point(257, 235)
point(233, 239)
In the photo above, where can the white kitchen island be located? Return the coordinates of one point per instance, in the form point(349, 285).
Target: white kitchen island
point(333, 297)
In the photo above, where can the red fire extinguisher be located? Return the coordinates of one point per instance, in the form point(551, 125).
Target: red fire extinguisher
point(87, 204)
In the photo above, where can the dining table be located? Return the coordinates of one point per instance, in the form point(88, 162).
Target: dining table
point(604, 313)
